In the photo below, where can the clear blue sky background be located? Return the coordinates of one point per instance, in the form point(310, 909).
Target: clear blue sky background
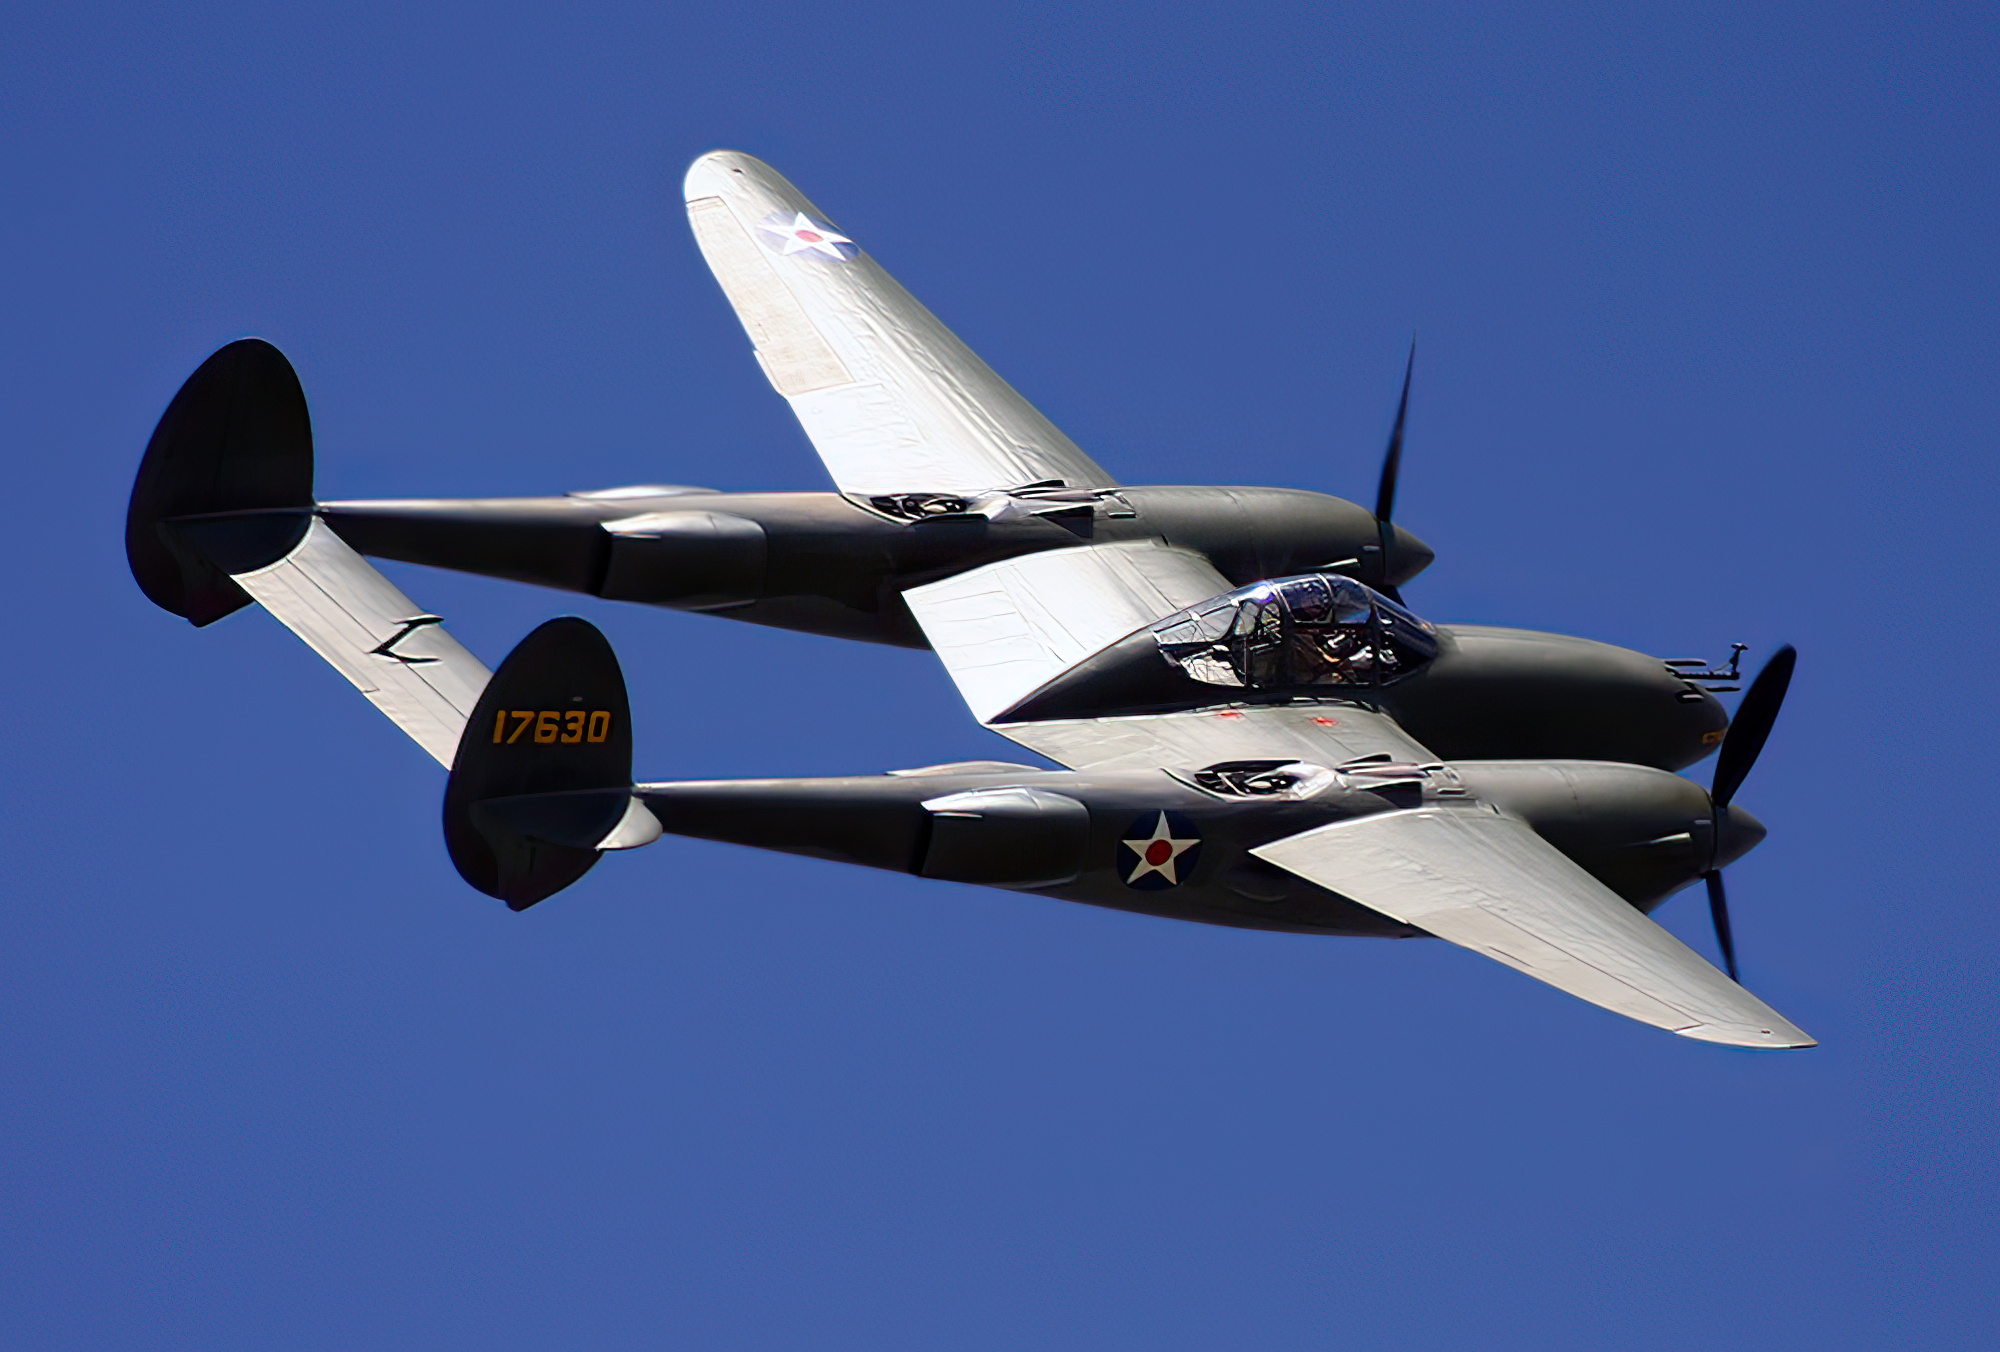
point(1707, 300)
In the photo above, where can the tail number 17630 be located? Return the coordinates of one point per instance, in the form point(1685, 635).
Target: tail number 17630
point(552, 725)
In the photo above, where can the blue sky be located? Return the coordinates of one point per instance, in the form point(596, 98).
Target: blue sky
point(1706, 304)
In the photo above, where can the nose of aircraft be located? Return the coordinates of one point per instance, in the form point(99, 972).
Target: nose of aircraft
point(1699, 723)
point(1737, 835)
point(1495, 692)
point(1408, 555)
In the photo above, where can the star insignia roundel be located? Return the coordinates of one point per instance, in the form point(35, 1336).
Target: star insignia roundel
point(1159, 851)
point(794, 232)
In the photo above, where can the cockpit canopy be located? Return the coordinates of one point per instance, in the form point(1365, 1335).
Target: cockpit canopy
point(1320, 629)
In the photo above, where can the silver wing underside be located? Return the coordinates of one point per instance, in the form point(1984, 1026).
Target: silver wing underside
point(890, 398)
point(1487, 882)
point(1007, 629)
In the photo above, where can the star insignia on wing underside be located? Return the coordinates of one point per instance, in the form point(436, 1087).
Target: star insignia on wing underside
point(800, 233)
point(1161, 854)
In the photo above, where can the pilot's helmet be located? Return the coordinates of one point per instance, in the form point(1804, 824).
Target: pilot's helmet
point(1309, 599)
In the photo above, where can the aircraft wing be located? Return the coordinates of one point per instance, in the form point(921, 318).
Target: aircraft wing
point(1487, 882)
point(1008, 628)
point(890, 398)
point(1328, 734)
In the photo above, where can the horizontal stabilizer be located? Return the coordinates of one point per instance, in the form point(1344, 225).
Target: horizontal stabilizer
point(393, 651)
point(1487, 882)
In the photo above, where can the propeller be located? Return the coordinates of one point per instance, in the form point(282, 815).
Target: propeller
point(1747, 734)
point(1392, 468)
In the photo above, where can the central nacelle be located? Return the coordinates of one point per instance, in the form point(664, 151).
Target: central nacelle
point(1316, 635)
point(1464, 691)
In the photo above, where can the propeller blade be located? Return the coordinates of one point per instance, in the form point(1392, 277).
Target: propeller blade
point(1392, 463)
point(1718, 911)
point(1752, 724)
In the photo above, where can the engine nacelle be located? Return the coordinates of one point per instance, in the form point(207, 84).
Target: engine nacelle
point(1007, 837)
point(689, 559)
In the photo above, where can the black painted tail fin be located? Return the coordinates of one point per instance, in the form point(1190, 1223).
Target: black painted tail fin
point(232, 459)
point(542, 782)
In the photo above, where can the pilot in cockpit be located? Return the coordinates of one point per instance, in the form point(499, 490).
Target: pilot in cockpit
point(1332, 639)
point(1316, 629)
point(1332, 655)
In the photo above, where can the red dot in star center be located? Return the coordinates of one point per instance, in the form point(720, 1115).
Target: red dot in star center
point(811, 236)
point(1159, 852)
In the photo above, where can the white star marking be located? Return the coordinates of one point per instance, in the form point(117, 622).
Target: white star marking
point(803, 233)
point(1158, 852)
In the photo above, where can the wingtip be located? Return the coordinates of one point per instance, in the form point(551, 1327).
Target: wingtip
point(709, 175)
point(1783, 1037)
point(751, 186)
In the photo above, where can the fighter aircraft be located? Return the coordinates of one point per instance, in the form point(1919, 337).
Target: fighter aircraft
point(943, 469)
point(1281, 755)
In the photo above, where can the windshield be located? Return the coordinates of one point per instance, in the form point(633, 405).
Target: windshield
point(1321, 629)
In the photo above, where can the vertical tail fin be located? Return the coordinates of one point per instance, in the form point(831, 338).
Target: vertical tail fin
point(542, 782)
point(236, 440)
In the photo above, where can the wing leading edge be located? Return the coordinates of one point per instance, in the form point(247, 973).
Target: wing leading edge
point(890, 398)
point(1487, 882)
